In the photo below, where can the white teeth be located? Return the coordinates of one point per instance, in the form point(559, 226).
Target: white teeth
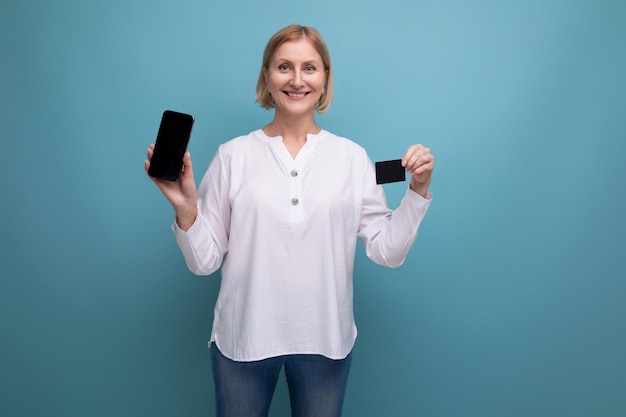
point(296, 94)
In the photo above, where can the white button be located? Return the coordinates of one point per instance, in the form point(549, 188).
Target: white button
point(294, 201)
point(294, 173)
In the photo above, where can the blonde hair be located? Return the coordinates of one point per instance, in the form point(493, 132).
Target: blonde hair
point(292, 33)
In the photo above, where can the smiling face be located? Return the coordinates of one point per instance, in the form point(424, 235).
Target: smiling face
point(295, 77)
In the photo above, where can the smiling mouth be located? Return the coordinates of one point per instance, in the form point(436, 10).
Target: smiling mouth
point(295, 95)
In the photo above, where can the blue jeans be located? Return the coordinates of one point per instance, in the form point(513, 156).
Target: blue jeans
point(317, 384)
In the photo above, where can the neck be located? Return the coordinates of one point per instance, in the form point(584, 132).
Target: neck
point(292, 129)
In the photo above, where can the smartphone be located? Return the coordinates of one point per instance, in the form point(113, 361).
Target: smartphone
point(171, 145)
point(390, 171)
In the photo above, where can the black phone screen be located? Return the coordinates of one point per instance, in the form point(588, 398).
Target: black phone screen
point(390, 171)
point(171, 144)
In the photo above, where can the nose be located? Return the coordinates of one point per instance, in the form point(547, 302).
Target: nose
point(297, 80)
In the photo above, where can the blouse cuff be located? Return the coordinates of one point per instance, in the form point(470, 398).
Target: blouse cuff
point(417, 199)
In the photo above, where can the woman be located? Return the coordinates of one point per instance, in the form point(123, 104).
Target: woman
point(286, 204)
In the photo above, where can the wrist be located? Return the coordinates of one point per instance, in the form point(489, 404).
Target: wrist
point(186, 217)
point(419, 188)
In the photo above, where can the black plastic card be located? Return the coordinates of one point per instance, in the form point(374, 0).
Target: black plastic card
point(390, 171)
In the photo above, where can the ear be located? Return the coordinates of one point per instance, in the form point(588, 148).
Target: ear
point(265, 75)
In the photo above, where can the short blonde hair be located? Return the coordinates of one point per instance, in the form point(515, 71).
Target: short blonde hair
point(292, 33)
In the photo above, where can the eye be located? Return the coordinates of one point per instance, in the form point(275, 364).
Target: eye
point(309, 68)
point(283, 67)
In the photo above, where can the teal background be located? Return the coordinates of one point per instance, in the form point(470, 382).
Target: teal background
point(512, 301)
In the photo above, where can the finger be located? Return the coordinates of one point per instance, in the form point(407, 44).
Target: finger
point(425, 161)
point(413, 153)
point(426, 167)
point(146, 167)
point(423, 173)
point(408, 154)
point(146, 163)
point(418, 158)
point(187, 168)
point(150, 151)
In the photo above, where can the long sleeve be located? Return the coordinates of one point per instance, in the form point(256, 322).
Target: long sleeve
point(388, 235)
point(206, 242)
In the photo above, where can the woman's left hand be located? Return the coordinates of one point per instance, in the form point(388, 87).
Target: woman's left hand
point(419, 162)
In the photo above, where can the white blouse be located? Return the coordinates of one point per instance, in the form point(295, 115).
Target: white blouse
point(287, 228)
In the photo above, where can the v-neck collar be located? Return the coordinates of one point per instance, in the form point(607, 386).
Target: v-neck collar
point(304, 152)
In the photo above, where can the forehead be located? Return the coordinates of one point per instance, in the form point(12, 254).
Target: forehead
point(297, 50)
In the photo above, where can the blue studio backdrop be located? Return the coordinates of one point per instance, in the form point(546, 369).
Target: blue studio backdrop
point(511, 303)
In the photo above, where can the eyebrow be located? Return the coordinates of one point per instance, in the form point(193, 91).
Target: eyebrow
point(311, 61)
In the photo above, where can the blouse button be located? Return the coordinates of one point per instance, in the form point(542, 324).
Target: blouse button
point(294, 173)
point(294, 201)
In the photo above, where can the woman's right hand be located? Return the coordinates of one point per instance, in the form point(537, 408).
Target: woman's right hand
point(181, 193)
